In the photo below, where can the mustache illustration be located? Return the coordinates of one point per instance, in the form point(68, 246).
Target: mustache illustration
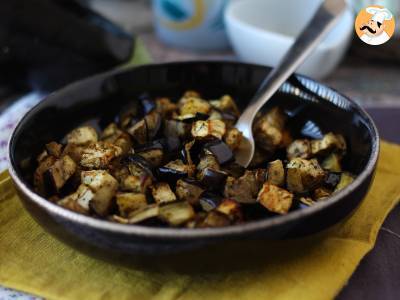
point(368, 28)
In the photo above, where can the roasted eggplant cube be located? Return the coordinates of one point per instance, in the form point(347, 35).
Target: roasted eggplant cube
point(174, 128)
point(138, 166)
point(212, 179)
point(306, 201)
point(226, 104)
point(243, 189)
point(78, 201)
point(40, 182)
point(321, 193)
point(144, 213)
point(54, 149)
point(162, 193)
point(104, 187)
point(99, 155)
point(215, 219)
point(232, 209)
point(299, 148)
point(345, 180)
point(209, 201)
point(208, 129)
point(276, 173)
point(154, 155)
point(208, 161)
point(221, 151)
point(268, 129)
point(111, 133)
point(233, 138)
point(153, 122)
point(165, 107)
point(82, 136)
point(176, 214)
point(189, 191)
point(332, 163)
point(275, 199)
point(193, 105)
point(330, 142)
point(175, 170)
point(136, 184)
point(61, 171)
point(130, 202)
point(139, 132)
point(303, 175)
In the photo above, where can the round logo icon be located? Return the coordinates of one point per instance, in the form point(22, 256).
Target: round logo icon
point(375, 25)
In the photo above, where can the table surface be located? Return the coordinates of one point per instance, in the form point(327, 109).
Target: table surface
point(367, 75)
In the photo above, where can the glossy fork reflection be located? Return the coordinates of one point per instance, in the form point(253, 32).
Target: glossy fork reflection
point(322, 22)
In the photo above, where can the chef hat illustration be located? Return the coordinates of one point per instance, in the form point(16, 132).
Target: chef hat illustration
point(379, 14)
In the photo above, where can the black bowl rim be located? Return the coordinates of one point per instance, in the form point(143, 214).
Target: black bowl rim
point(186, 233)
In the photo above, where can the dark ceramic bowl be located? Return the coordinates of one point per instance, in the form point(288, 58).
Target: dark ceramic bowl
point(314, 109)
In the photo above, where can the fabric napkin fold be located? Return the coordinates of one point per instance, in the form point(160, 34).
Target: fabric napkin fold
point(314, 267)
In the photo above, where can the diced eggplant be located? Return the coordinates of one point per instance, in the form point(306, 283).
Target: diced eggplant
point(332, 163)
point(221, 151)
point(104, 187)
point(54, 149)
point(162, 193)
point(276, 173)
point(82, 136)
point(303, 175)
point(136, 184)
point(74, 151)
point(212, 179)
point(209, 201)
point(233, 138)
point(193, 105)
point(129, 115)
point(245, 188)
point(165, 107)
point(175, 170)
point(176, 214)
point(152, 152)
point(275, 199)
point(189, 190)
point(321, 193)
point(153, 124)
point(208, 161)
point(61, 171)
point(78, 201)
point(215, 219)
point(232, 209)
point(226, 104)
point(99, 155)
point(268, 129)
point(41, 183)
point(174, 128)
point(331, 180)
point(190, 118)
point(299, 148)
point(215, 115)
point(147, 103)
point(345, 180)
point(139, 132)
point(42, 156)
point(111, 133)
point(330, 142)
point(144, 213)
point(208, 129)
point(130, 202)
point(137, 165)
point(306, 202)
point(234, 169)
point(197, 220)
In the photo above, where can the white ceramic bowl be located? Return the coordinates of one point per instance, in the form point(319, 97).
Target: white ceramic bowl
point(262, 31)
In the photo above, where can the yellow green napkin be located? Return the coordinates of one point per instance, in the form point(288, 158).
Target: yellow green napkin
point(315, 267)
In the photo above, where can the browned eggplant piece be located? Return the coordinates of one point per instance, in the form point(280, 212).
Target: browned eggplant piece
point(330, 142)
point(54, 149)
point(321, 193)
point(147, 103)
point(226, 104)
point(209, 201)
point(61, 171)
point(192, 105)
point(111, 133)
point(99, 155)
point(138, 166)
point(268, 129)
point(276, 173)
point(104, 187)
point(41, 183)
point(136, 184)
point(175, 170)
point(232, 209)
point(74, 151)
point(78, 201)
point(303, 175)
point(138, 132)
point(208, 129)
point(144, 213)
point(174, 128)
point(130, 202)
point(208, 161)
point(331, 180)
point(128, 115)
point(189, 190)
point(42, 156)
point(212, 179)
point(153, 124)
point(190, 118)
point(165, 107)
point(176, 214)
point(245, 189)
point(153, 152)
point(233, 138)
point(299, 148)
point(162, 193)
point(221, 151)
point(345, 179)
point(305, 202)
point(234, 169)
point(275, 199)
point(82, 136)
point(332, 163)
point(215, 219)
point(197, 220)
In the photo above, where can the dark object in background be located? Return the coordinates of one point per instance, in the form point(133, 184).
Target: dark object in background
point(45, 44)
